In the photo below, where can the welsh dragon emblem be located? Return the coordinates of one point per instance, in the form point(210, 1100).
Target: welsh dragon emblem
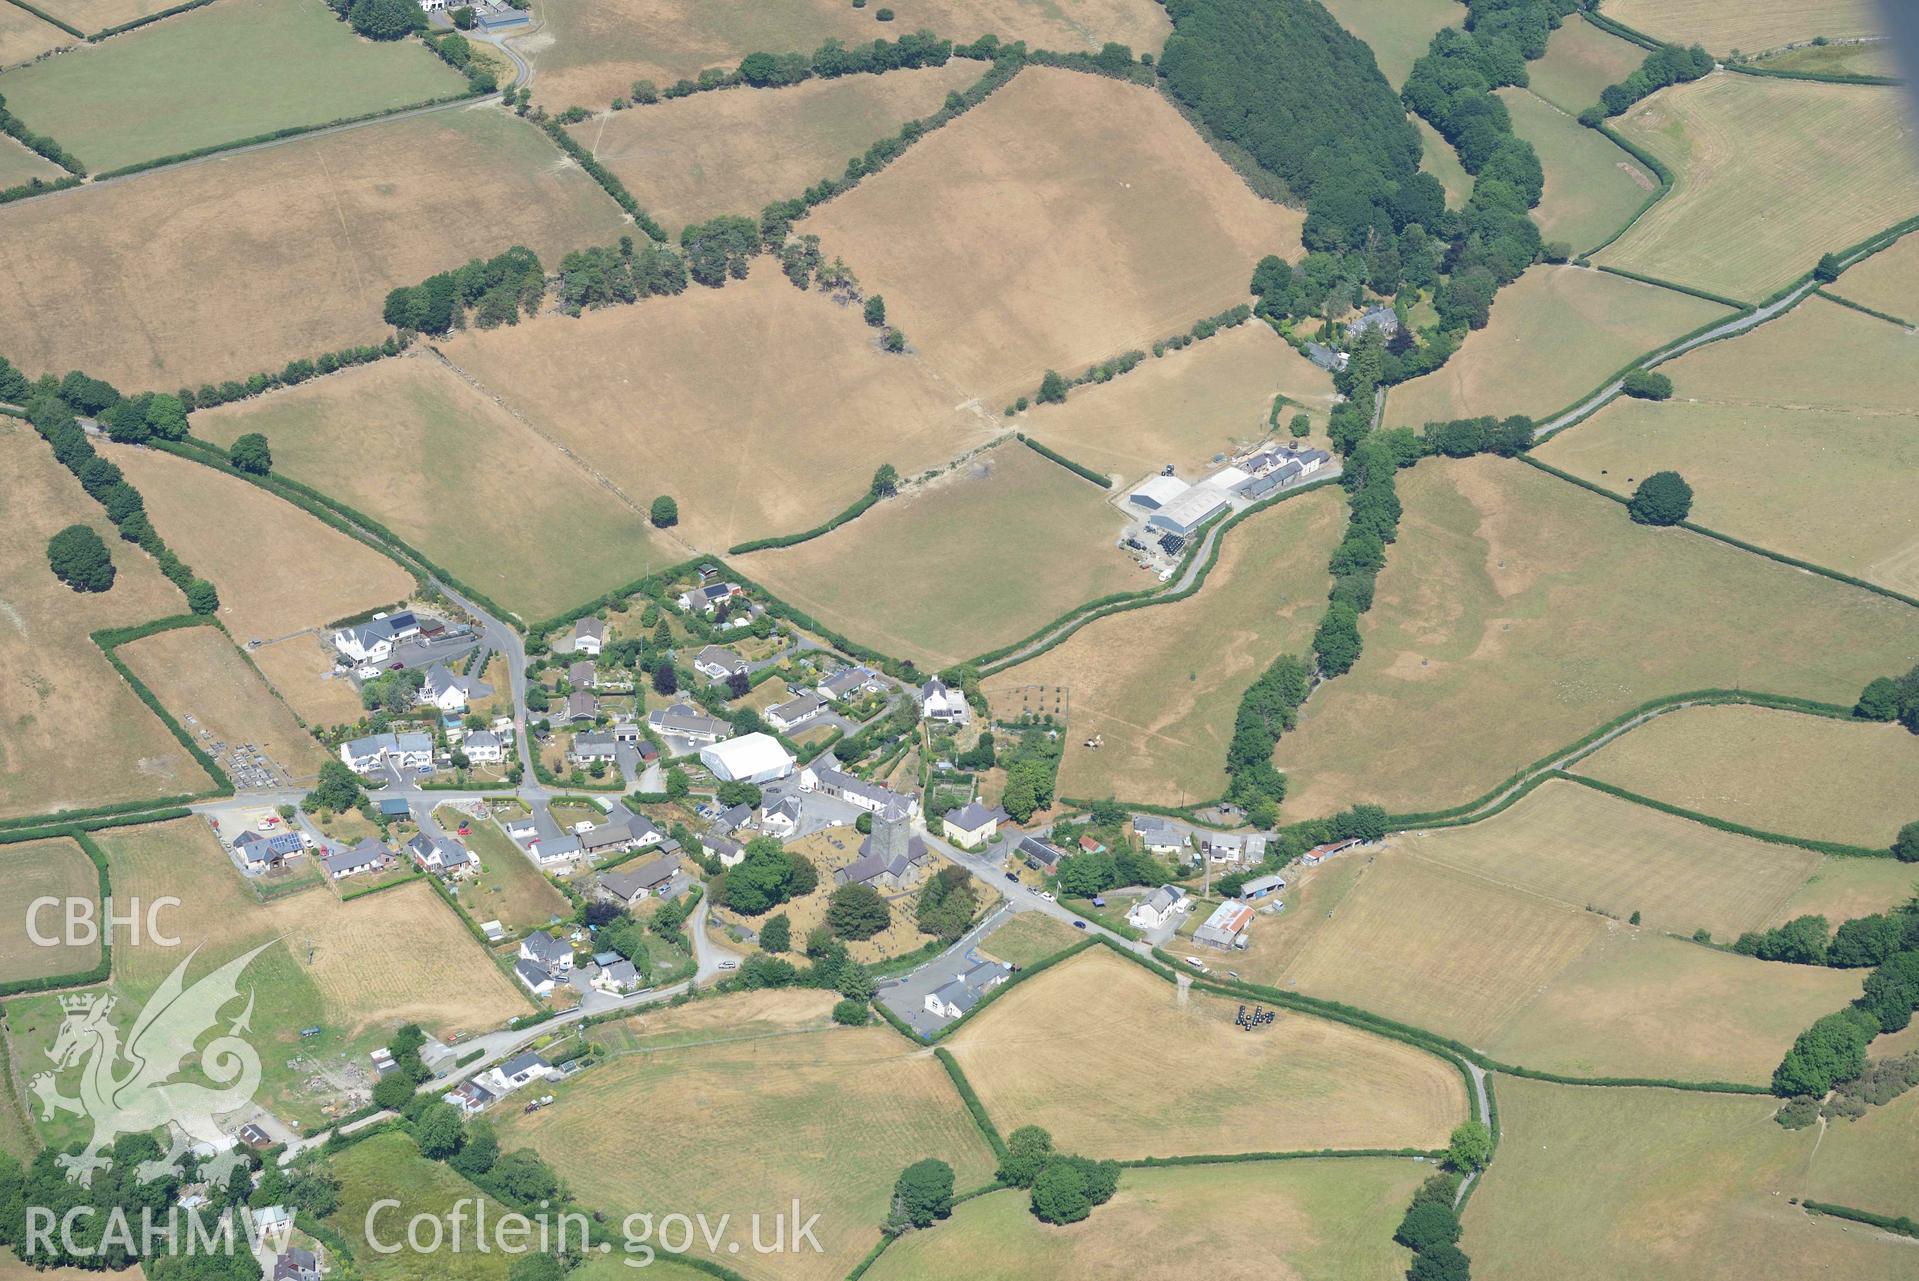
point(129, 1089)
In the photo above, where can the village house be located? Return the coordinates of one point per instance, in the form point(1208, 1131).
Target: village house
point(470, 1096)
point(683, 720)
point(551, 954)
point(850, 682)
point(365, 855)
point(1226, 927)
point(727, 850)
point(1156, 909)
point(449, 691)
point(581, 706)
point(582, 674)
point(538, 981)
point(409, 750)
point(939, 703)
point(373, 640)
point(826, 777)
point(630, 886)
point(707, 598)
point(521, 1070)
point(593, 745)
point(589, 636)
point(780, 821)
point(1161, 835)
point(891, 858)
point(256, 853)
point(447, 857)
point(794, 713)
point(1233, 848)
point(296, 1264)
point(973, 824)
point(718, 664)
point(617, 978)
point(1039, 855)
point(483, 747)
point(954, 998)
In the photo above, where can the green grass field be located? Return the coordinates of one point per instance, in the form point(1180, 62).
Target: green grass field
point(1768, 175)
point(1827, 384)
point(1581, 60)
point(1438, 158)
point(1611, 1184)
point(1517, 613)
point(1029, 938)
point(1871, 1163)
point(1327, 1220)
point(1592, 187)
point(1556, 333)
point(509, 889)
point(389, 1167)
point(230, 71)
point(1397, 30)
point(1872, 58)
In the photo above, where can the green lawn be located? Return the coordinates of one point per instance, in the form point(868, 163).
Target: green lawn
point(389, 1167)
point(232, 70)
point(509, 889)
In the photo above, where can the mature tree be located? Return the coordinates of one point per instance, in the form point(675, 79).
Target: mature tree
point(386, 19)
point(1832, 1050)
point(886, 481)
point(1646, 385)
point(337, 790)
point(875, 311)
point(848, 1012)
point(665, 679)
point(759, 882)
point(13, 383)
point(1021, 797)
point(1800, 941)
point(1059, 1193)
point(677, 784)
point(394, 1091)
point(1052, 389)
point(738, 792)
point(202, 597)
point(1086, 874)
point(1442, 1262)
point(777, 934)
point(523, 1176)
point(1427, 1224)
point(80, 559)
point(88, 395)
point(1827, 269)
point(439, 1130)
point(1027, 1150)
point(665, 512)
point(250, 453)
point(1471, 1146)
point(1905, 847)
point(1663, 498)
point(856, 911)
point(477, 1155)
point(924, 1192)
point(463, 17)
point(1891, 995)
point(1879, 701)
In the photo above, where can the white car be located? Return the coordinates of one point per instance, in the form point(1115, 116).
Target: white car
point(729, 965)
point(1047, 895)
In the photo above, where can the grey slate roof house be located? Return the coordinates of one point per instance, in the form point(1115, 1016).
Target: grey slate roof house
point(957, 996)
point(630, 885)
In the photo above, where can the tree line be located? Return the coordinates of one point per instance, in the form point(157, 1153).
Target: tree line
point(1833, 1050)
point(1666, 65)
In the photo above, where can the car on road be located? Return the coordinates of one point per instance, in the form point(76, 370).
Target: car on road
point(729, 965)
point(1079, 925)
point(1047, 896)
point(1013, 877)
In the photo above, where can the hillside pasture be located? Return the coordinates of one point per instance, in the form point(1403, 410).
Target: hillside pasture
point(1806, 776)
point(1438, 158)
point(1398, 31)
point(1581, 60)
point(995, 548)
point(1629, 1183)
point(1750, 26)
point(220, 701)
point(1592, 187)
point(1824, 383)
point(1888, 281)
point(388, 1167)
point(1872, 1162)
point(1514, 615)
point(756, 1123)
point(1187, 407)
point(1843, 887)
point(592, 54)
point(189, 275)
point(23, 38)
point(761, 409)
point(219, 74)
point(1768, 175)
point(1176, 1076)
point(1065, 220)
point(1162, 685)
point(732, 153)
point(72, 733)
point(29, 872)
point(1319, 1219)
point(458, 476)
point(1555, 334)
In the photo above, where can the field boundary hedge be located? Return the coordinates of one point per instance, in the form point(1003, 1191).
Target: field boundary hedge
point(859, 507)
point(111, 638)
point(98, 811)
point(1836, 848)
point(95, 825)
point(1676, 287)
point(1819, 77)
point(1644, 157)
point(102, 34)
point(1078, 469)
point(1902, 1225)
point(102, 970)
point(1619, 29)
point(1243, 1158)
point(608, 180)
point(48, 18)
point(1887, 316)
point(987, 1129)
point(1670, 350)
point(37, 187)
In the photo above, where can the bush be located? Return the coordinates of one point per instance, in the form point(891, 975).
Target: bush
point(1663, 498)
point(853, 1013)
point(80, 559)
point(1905, 847)
point(1646, 385)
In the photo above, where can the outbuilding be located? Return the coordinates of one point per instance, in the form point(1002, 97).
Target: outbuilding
point(750, 758)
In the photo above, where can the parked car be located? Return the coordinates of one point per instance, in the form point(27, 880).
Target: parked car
point(729, 965)
point(1013, 877)
point(1079, 925)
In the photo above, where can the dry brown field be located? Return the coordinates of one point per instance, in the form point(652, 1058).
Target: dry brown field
point(279, 570)
point(72, 734)
point(1581, 60)
point(1512, 617)
point(592, 54)
point(779, 1107)
point(1750, 26)
point(1176, 1076)
point(733, 152)
point(739, 1016)
point(1556, 333)
point(189, 275)
point(18, 165)
point(1161, 685)
point(1065, 220)
point(31, 871)
point(23, 38)
point(1187, 407)
point(1827, 383)
point(761, 409)
point(935, 583)
point(199, 676)
point(1768, 175)
point(1806, 776)
point(98, 15)
point(1614, 1184)
point(1028, 939)
point(301, 669)
point(1888, 281)
point(458, 476)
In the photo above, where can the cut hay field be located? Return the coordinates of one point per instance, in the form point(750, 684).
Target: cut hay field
point(1592, 187)
point(1865, 58)
point(1827, 384)
point(1514, 615)
point(72, 733)
point(1176, 1076)
point(1162, 685)
point(591, 54)
point(388, 1167)
point(1750, 26)
point(743, 1126)
point(97, 15)
point(279, 570)
point(1887, 281)
point(1438, 158)
point(219, 74)
point(762, 409)
point(1768, 175)
point(459, 477)
point(1805, 776)
point(1871, 1163)
point(1317, 1220)
point(1065, 220)
point(1186, 407)
point(1631, 1183)
point(1397, 30)
point(31, 871)
point(740, 1016)
point(509, 889)
point(188, 275)
point(1842, 888)
point(981, 557)
point(1581, 60)
point(199, 676)
point(732, 153)
point(1556, 333)
point(24, 37)
point(1028, 939)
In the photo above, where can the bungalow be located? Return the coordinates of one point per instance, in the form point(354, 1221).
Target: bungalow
point(373, 640)
point(552, 851)
point(850, 682)
point(582, 674)
point(581, 706)
point(707, 598)
point(683, 720)
point(522, 1069)
point(593, 745)
point(1039, 855)
point(1161, 835)
point(796, 712)
point(547, 952)
point(607, 838)
point(449, 691)
point(629, 886)
point(538, 981)
point(365, 856)
point(1156, 909)
point(1261, 887)
point(781, 820)
point(825, 777)
point(589, 636)
point(449, 858)
point(617, 979)
point(645, 832)
point(717, 663)
point(521, 827)
point(1226, 927)
point(939, 703)
point(257, 853)
point(973, 824)
point(483, 747)
point(296, 1264)
point(961, 994)
point(471, 1096)
point(1320, 853)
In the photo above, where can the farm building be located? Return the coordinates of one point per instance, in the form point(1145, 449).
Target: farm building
point(1189, 511)
point(1226, 927)
point(1158, 492)
point(1262, 887)
point(750, 758)
point(1320, 853)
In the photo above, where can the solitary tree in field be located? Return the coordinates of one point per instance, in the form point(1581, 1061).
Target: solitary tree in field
point(80, 560)
point(875, 311)
point(665, 512)
point(1663, 498)
point(250, 454)
point(895, 341)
